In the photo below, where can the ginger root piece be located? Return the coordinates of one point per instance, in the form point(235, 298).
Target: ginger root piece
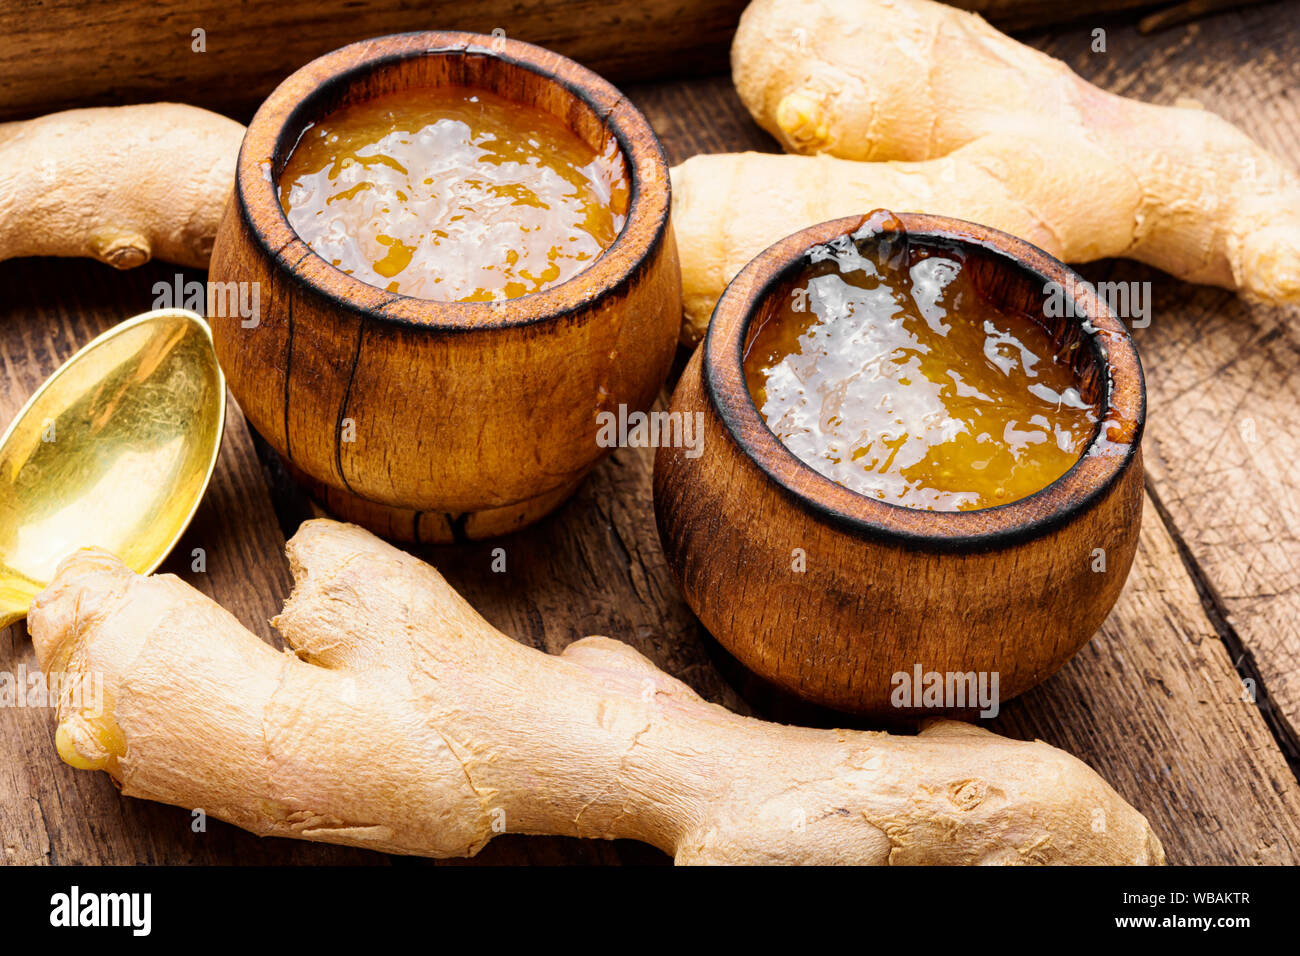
point(729, 207)
point(406, 723)
point(120, 184)
point(1035, 150)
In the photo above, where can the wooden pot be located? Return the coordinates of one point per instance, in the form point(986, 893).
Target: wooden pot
point(1013, 590)
point(433, 421)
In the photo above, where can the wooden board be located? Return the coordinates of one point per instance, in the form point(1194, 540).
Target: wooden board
point(56, 54)
point(1155, 702)
point(73, 53)
point(1223, 376)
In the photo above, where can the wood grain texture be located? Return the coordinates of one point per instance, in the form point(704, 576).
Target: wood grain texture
point(1223, 430)
point(1015, 15)
point(830, 594)
point(1153, 703)
point(467, 419)
point(55, 54)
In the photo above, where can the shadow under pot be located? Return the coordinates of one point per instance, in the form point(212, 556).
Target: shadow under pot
point(947, 580)
point(431, 418)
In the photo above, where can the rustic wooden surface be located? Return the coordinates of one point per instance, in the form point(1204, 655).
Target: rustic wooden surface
point(56, 54)
point(1156, 702)
point(1223, 434)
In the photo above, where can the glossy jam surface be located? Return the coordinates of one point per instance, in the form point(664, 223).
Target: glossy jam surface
point(900, 383)
point(453, 194)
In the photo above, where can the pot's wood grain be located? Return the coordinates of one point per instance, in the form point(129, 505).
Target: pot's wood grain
point(831, 594)
point(444, 421)
point(832, 615)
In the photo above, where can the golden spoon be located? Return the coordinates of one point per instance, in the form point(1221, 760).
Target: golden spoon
point(114, 450)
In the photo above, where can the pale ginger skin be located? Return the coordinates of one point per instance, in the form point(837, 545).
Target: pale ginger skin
point(911, 80)
point(406, 723)
point(729, 207)
point(120, 184)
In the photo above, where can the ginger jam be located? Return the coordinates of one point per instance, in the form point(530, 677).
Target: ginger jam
point(893, 377)
point(453, 194)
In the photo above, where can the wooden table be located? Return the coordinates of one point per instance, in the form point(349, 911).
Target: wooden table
point(1160, 702)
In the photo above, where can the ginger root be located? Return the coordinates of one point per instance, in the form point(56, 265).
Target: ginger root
point(729, 207)
point(1032, 149)
point(404, 722)
point(119, 184)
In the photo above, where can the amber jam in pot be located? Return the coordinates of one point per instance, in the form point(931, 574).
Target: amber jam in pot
point(453, 194)
point(887, 371)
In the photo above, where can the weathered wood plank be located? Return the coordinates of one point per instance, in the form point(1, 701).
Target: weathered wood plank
point(59, 53)
point(56, 54)
point(1154, 703)
point(1223, 376)
point(1156, 706)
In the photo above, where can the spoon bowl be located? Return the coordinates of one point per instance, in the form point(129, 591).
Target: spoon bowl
point(114, 451)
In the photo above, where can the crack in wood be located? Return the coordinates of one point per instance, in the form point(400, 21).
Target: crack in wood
point(1217, 613)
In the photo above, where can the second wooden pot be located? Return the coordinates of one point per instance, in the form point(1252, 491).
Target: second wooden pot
point(843, 599)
